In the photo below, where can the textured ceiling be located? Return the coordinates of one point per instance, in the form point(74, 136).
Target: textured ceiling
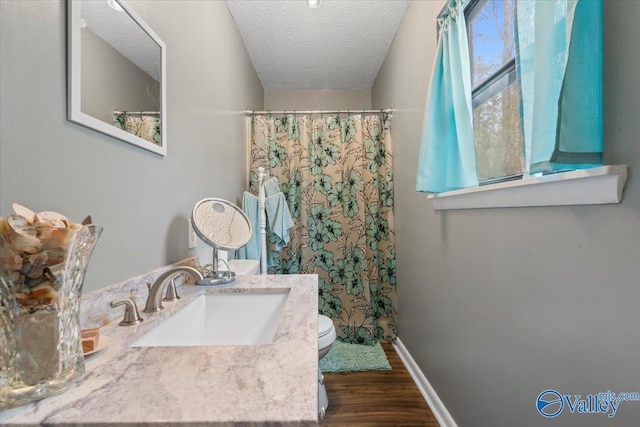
point(340, 45)
point(123, 34)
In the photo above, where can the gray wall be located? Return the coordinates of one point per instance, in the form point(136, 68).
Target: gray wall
point(111, 82)
point(498, 305)
point(317, 99)
point(141, 199)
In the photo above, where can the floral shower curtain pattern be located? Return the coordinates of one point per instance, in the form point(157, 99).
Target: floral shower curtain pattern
point(336, 174)
point(145, 126)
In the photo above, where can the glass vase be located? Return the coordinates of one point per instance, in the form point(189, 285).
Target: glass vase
point(42, 270)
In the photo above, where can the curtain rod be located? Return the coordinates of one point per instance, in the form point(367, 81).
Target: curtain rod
point(355, 111)
point(138, 113)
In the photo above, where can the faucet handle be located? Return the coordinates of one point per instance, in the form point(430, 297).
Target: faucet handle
point(131, 315)
point(172, 292)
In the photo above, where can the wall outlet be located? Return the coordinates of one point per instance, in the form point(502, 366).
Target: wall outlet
point(193, 239)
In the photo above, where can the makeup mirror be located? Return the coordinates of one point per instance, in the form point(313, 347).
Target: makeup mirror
point(221, 225)
point(116, 73)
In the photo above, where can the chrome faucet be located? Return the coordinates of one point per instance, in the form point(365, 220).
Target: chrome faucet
point(154, 301)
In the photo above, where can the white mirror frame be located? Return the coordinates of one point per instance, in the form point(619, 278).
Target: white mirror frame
point(74, 82)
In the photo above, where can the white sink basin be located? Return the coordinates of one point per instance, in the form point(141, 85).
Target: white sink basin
point(225, 318)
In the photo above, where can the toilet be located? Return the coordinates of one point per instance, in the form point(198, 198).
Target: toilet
point(326, 337)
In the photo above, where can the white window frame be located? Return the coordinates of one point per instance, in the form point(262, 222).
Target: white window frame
point(595, 186)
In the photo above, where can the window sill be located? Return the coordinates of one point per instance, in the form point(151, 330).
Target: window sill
point(596, 186)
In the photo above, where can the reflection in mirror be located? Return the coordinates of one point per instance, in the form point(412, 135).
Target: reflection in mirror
point(116, 73)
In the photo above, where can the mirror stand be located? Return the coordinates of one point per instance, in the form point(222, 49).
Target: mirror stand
point(217, 277)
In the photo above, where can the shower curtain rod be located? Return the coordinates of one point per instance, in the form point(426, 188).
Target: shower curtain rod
point(138, 113)
point(250, 113)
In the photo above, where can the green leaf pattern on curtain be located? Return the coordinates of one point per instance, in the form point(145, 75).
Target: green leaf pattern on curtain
point(336, 174)
point(146, 127)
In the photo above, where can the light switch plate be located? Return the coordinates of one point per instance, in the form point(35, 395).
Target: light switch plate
point(193, 239)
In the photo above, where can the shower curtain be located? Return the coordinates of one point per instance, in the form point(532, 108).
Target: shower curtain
point(145, 126)
point(336, 174)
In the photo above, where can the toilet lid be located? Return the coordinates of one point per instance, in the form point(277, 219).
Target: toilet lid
point(325, 325)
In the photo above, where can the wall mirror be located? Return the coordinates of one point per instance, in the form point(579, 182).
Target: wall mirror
point(116, 73)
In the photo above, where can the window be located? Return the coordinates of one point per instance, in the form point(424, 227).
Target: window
point(495, 89)
point(516, 91)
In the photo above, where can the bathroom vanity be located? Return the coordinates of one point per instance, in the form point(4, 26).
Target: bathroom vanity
point(272, 382)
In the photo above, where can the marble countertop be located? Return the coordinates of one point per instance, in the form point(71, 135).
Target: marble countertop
point(272, 384)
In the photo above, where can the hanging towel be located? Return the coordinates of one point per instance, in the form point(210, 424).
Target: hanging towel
point(279, 219)
point(251, 207)
point(279, 222)
point(271, 186)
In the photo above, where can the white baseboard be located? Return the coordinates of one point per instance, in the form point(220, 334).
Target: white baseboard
point(430, 396)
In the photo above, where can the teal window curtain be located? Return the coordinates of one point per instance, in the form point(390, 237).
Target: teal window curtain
point(559, 63)
point(559, 66)
point(447, 159)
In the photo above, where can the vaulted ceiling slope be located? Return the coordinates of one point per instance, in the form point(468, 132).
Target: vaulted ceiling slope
point(123, 34)
point(339, 45)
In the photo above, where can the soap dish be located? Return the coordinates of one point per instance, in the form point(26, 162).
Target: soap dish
point(104, 343)
point(90, 339)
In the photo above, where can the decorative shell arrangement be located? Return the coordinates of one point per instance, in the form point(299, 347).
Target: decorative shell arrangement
point(33, 247)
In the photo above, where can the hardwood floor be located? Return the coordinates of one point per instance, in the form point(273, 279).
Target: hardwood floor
point(376, 398)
